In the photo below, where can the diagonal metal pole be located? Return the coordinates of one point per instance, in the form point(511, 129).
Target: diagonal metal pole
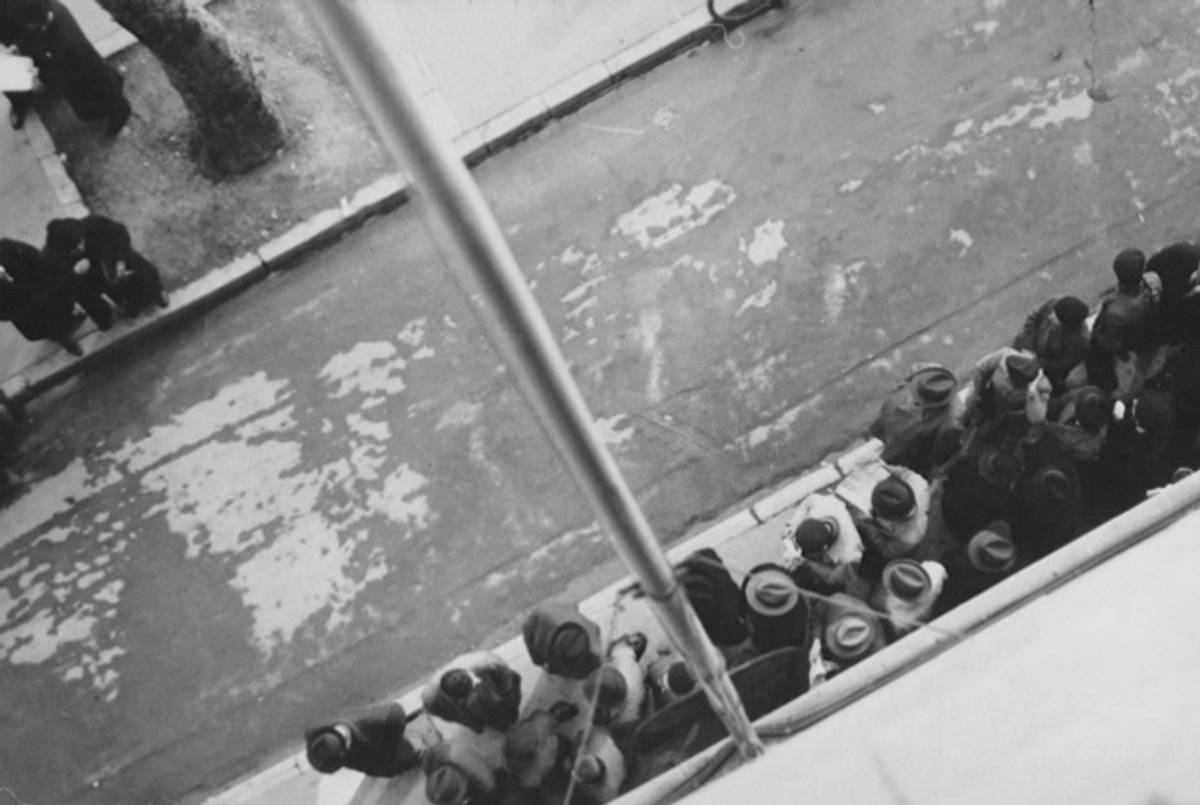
point(483, 264)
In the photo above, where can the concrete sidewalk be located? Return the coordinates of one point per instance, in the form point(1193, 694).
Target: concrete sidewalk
point(488, 74)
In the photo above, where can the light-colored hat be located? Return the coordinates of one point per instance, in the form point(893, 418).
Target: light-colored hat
point(769, 590)
point(991, 550)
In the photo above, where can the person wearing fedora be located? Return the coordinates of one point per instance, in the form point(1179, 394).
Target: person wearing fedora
point(1046, 509)
point(989, 556)
point(373, 743)
point(776, 610)
point(1125, 323)
point(897, 522)
point(1004, 381)
point(1057, 333)
point(714, 595)
point(478, 690)
point(977, 488)
point(918, 422)
point(906, 594)
point(1136, 453)
point(456, 775)
point(1078, 421)
point(850, 632)
point(1177, 266)
point(822, 551)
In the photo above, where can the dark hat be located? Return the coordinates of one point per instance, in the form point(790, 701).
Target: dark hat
point(447, 785)
point(326, 751)
point(711, 590)
point(851, 636)
point(1092, 407)
point(1052, 484)
point(934, 387)
point(561, 640)
point(1071, 311)
point(769, 590)
point(893, 499)
point(906, 580)
point(63, 235)
point(991, 550)
point(456, 683)
point(679, 679)
point(1129, 266)
point(999, 468)
point(1022, 368)
point(814, 535)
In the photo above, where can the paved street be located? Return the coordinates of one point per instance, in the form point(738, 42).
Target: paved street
point(320, 490)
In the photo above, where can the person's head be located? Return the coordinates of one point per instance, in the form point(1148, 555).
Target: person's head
point(933, 388)
point(1053, 486)
point(1129, 266)
point(815, 535)
point(64, 237)
point(1022, 368)
point(531, 749)
point(893, 499)
point(326, 750)
point(999, 468)
point(1071, 311)
point(1093, 408)
point(991, 549)
point(456, 683)
point(447, 785)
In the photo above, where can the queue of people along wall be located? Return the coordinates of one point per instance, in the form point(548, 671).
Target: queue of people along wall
point(1080, 416)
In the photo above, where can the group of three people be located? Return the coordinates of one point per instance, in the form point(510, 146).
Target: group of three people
point(86, 263)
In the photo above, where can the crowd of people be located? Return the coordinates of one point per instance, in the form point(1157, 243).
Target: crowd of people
point(1077, 419)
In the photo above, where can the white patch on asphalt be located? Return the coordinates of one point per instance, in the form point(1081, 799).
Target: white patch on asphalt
point(49, 497)
point(458, 414)
point(371, 368)
point(850, 186)
point(963, 238)
point(611, 432)
point(877, 108)
point(664, 117)
point(1177, 99)
point(838, 282)
point(963, 127)
point(778, 430)
point(987, 28)
point(650, 324)
point(662, 218)
point(231, 405)
point(1055, 106)
point(759, 299)
point(767, 243)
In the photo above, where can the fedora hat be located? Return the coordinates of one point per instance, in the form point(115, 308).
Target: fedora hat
point(991, 550)
point(769, 590)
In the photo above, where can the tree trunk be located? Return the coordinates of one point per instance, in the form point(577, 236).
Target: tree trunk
point(236, 130)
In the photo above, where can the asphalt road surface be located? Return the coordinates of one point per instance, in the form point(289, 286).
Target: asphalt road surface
point(318, 491)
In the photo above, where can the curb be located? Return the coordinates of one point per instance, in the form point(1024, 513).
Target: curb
point(256, 787)
point(383, 195)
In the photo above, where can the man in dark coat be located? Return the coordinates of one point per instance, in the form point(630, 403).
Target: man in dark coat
point(68, 64)
point(61, 257)
point(918, 422)
point(114, 268)
point(1057, 334)
point(373, 743)
point(37, 305)
point(1126, 321)
point(1176, 266)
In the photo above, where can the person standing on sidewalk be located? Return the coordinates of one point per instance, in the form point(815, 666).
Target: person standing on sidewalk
point(38, 307)
point(114, 268)
point(62, 255)
point(67, 64)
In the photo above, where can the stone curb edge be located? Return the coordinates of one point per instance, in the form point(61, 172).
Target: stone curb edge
point(256, 786)
point(492, 136)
